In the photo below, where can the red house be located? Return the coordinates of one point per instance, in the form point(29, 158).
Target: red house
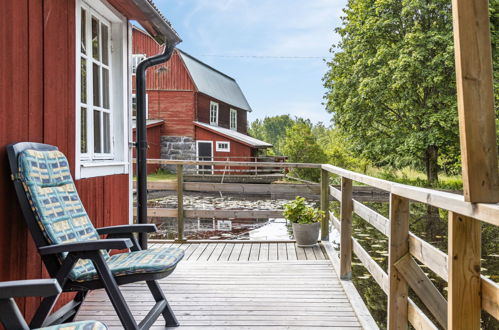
point(66, 80)
point(204, 110)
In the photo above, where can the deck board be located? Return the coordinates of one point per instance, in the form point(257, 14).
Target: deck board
point(235, 286)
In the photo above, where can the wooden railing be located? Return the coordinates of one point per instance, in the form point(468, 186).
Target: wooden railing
point(468, 291)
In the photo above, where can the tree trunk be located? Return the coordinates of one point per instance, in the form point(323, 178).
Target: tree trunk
point(431, 162)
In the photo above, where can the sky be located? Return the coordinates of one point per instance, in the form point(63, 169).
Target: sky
point(226, 33)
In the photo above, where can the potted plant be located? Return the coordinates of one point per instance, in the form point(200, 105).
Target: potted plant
point(306, 221)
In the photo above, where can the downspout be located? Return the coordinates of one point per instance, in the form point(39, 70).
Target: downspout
point(142, 145)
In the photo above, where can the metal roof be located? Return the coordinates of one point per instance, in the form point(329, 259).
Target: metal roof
point(155, 23)
point(214, 83)
point(149, 122)
point(234, 135)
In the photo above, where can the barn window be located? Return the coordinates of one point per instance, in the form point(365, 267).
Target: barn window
point(101, 115)
point(134, 106)
point(223, 146)
point(136, 59)
point(213, 113)
point(233, 119)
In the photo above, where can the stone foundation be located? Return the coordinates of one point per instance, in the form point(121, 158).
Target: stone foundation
point(177, 147)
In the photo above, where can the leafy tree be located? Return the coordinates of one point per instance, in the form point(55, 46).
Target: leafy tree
point(272, 130)
point(391, 84)
point(301, 146)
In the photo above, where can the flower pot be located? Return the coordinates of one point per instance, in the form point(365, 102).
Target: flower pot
point(306, 234)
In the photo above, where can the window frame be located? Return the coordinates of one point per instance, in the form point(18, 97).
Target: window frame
point(233, 112)
point(214, 106)
point(218, 149)
point(134, 96)
point(136, 62)
point(91, 164)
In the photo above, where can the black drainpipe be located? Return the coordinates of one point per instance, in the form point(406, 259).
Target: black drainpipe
point(140, 76)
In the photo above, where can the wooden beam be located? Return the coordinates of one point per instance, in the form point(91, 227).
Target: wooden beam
point(398, 247)
point(424, 288)
point(180, 202)
point(372, 266)
point(418, 319)
point(464, 273)
point(490, 297)
point(475, 100)
point(346, 229)
point(325, 205)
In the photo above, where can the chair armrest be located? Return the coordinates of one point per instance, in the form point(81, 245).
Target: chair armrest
point(128, 229)
point(29, 288)
point(86, 246)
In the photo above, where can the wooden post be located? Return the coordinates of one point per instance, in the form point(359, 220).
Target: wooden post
point(325, 204)
point(346, 229)
point(398, 247)
point(180, 202)
point(464, 273)
point(475, 100)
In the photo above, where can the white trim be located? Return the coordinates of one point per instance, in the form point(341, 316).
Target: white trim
point(233, 111)
point(147, 105)
point(223, 149)
point(135, 60)
point(214, 106)
point(197, 154)
point(118, 160)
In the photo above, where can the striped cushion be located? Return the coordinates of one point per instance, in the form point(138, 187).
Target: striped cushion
point(82, 325)
point(144, 261)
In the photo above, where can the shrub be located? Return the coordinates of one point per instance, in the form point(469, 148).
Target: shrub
point(298, 211)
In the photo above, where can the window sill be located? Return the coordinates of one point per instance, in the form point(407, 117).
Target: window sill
point(102, 168)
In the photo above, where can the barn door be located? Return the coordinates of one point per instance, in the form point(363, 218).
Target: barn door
point(205, 152)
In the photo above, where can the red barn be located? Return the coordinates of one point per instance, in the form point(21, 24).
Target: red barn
point(66, 80)
point(204, 110)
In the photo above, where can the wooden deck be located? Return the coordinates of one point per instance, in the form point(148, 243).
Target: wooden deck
point(249, 285)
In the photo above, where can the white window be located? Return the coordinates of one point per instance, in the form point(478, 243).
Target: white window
point(136, 59)
point(223, 146)
point(213, 113)
point(233, 119)
point(101, 90)
point(134, 106)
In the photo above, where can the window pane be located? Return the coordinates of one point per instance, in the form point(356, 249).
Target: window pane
point(83, 81)
point(97, 132)
point(134, 106)
point(96, 84)
point(105, 52)
point(95, 38)
point(83, 131)
point(105, 88)
point(107, 133)
point(83, 31)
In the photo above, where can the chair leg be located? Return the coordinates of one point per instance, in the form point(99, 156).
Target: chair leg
point(157, 293)
point(80, 297)
point(114, 293)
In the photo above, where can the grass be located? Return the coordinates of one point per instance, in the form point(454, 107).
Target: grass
point(161, 175)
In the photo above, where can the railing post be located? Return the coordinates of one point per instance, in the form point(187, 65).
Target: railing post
point(346, 229)
point(397, 248)
point(180, 202)
point(325, 204)
point(464, 249)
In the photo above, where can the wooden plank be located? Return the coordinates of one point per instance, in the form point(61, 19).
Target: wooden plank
point(372, 266)
point(346, 229)
point(282, 253)
point(429, 255)
point(398, 247)
point(490, 297)
point(159, 212)
point(319, 255)
point(325, 204)
point(217, 252)
point(231, 163)
point(335, 193)
point(424, 288)
point(236, 252)
point(264, 252)
point(190, 250)
point(195, 255)
point(335, 222)
point(300, 253)
point(309, 253)
point(374, 218)
point(291, 251)
point(418, 319)
point(205, 256)
point(225, 256)
point(180, 202)
point(464, 272)
point(233, 214)
point(273, 254)
point(475, 100)
point(245, 252)
point(254, 252)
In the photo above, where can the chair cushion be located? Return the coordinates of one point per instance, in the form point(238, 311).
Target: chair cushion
point(82, 325)
point(156, 260)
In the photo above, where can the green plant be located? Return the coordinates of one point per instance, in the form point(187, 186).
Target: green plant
point(298, 211)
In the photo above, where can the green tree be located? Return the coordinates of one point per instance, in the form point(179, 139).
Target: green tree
point(272, 130)
point(301, 146)
point(391, 83)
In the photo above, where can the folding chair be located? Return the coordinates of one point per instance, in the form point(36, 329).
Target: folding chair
point(71, 248)
point(10, 315)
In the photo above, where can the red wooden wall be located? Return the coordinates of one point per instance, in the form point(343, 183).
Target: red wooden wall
point(237, 149)
point(176, 108)
point(203, 113)
point(154, 151)
point(37, 103)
